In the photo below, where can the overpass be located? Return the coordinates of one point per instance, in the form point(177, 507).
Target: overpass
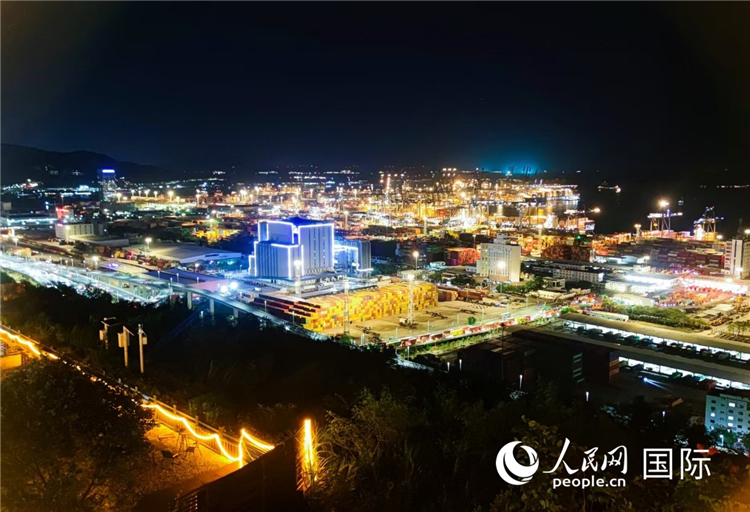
point(142, 288)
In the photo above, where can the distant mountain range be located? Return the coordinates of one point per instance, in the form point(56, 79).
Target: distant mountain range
point(54, 168)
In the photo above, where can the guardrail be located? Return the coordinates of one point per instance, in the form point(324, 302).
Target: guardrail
point(242, 449)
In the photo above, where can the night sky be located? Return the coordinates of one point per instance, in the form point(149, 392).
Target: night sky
point(626, 87)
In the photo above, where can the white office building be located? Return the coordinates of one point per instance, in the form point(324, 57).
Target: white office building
point(737, 257)
point(727, 411)
point(500, 260)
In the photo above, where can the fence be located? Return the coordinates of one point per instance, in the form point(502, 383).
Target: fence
point(212, 438)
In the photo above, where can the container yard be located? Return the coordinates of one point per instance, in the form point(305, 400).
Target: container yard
point(666, 253)
point(321, 313)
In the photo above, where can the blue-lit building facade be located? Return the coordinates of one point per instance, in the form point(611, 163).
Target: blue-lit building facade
point(281, 243)
point(353, 255)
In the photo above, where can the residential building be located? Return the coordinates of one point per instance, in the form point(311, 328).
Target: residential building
point(737, 257)
point(727, 411)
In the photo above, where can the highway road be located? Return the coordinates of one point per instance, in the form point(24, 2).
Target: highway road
point(142, 288)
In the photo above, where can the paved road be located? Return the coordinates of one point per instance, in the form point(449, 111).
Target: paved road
point(114, 282)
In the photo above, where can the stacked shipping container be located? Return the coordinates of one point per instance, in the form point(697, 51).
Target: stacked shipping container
point(320, 313)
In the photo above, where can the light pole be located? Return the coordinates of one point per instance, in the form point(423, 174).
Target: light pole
point(637, 230)
point(410, 315)
point(142, 340)
point(501, 268)
point(416, 259)
point(96, 262)
point(104, 333)
point(148, 243)
point(123, 341)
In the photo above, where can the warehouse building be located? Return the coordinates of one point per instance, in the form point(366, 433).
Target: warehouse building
point(189, 255)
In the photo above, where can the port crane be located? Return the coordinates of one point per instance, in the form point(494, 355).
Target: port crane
point(705, 227)
point(662, 220)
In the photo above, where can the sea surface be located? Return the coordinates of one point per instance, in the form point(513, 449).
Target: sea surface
point(619, 212)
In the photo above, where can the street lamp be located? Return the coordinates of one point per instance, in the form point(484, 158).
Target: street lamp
point(410, 315)
point(416, 259)
point(148, 243)
point(501, 268)
point(96, 262)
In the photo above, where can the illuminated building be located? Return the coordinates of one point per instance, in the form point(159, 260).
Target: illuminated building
point(592, 276)
point(500, 260)
point(354, 253)
point(108, 184)
point(737, 257)
point(281, 243)
point(66, 231)
point(727, 412)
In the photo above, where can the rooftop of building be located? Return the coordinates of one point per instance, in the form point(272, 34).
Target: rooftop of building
point(733, 393)
point(183, 252)
point(298, 221)
point(659, 332)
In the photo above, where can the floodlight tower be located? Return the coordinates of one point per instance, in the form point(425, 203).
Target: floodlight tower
point(410, 314)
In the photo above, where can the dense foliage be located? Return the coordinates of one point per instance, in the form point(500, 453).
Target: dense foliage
point(68, 443)
point(672, 317)
point(392, 438)
point(526, 287)
point(396, 453)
